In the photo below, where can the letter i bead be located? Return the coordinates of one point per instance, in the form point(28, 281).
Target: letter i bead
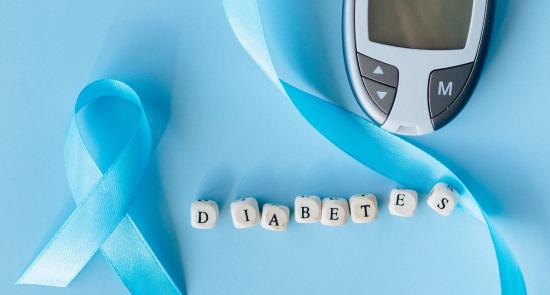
point(245, 213)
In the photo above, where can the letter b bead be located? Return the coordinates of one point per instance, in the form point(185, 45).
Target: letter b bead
point(307, 209)
point(204, 214)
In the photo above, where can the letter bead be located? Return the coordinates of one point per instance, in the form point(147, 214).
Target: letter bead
point(275, 217)
point(307, 209)
point(403, 202)
point(245, 213)
point(204, 214)
point(442, 199)
point(335, 212)
point(363, 208)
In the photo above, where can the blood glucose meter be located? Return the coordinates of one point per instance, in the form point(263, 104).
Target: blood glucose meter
point(412, 64)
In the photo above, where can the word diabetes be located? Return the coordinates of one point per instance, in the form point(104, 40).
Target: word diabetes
point(361, 208)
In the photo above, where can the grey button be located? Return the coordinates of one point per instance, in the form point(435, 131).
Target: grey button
point(382, 95)
point(445, 86)
point(377, 70)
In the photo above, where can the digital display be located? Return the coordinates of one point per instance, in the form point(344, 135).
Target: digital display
point(420, 24)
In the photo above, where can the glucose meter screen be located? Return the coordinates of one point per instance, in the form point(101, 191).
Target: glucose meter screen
point(420, 24)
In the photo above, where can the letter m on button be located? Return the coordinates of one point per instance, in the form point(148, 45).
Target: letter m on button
point(443, 89)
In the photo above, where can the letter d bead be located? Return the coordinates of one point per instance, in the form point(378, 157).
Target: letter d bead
point(204, 214)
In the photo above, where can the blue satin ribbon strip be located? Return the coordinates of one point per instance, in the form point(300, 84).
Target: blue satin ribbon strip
point(377, 149)
point(103, 197)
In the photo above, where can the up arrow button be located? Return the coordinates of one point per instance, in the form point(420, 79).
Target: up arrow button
point(377, 70)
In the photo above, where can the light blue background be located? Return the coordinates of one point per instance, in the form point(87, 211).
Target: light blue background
point(230, 133)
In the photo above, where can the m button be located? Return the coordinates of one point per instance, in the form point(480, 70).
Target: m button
point(445, 85)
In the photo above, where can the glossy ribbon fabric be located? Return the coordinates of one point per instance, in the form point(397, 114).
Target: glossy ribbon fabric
point(103, 197)
point(381, 151)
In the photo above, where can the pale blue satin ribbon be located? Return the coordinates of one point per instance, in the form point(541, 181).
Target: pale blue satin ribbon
point(103, 197)
point(381, 151)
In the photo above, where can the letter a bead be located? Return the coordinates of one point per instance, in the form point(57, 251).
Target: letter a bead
point(335, 212)
point(403, 202)
point(442, 199)
point(245, 213)
point(275, 217)
point(204, 214)
point(307, 209)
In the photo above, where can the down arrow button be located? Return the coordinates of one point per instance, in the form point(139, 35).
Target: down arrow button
point(382, 95)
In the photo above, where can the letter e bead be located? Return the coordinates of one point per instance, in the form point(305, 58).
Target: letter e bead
point(335, 212)
point(204, 214)
point(442, 199)
point(403, 202)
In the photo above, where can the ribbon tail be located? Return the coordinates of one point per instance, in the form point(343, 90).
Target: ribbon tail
point(73, 245)
point(402, 162)
point(139, 268)
point(511, 277)
point(387, 154)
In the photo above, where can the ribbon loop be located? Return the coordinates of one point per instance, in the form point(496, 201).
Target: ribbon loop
point(103, 197)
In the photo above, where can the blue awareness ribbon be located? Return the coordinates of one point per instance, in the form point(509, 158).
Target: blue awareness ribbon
point(103, 196)
point(375, 148)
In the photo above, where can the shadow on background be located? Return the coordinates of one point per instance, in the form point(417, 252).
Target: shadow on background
point(502, 22)
point(265, 183)
point(301, 40)
point(217, 185)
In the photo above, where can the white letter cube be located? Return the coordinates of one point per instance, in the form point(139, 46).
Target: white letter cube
point(204, 214)
point(363, 208)
point(442, 199)
point(403, 202)
point(307, 209)
point(245, 213)
point(275, 217)
point(335, 211)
